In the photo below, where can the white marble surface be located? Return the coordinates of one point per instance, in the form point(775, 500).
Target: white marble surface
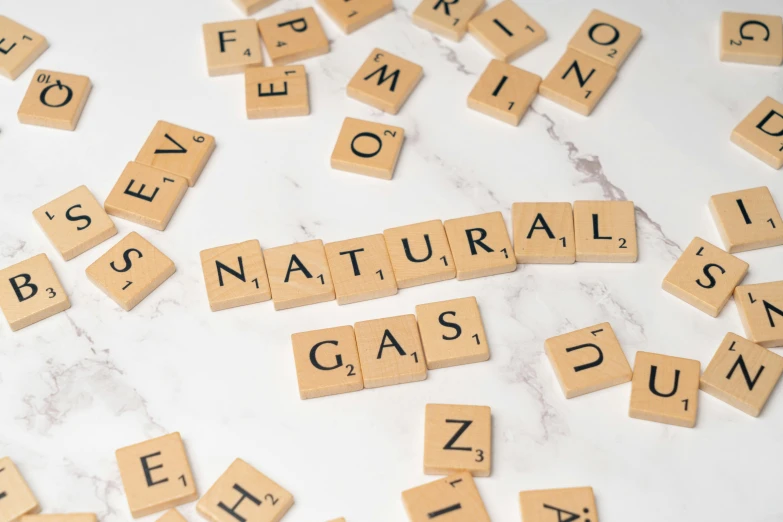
point(81, 384)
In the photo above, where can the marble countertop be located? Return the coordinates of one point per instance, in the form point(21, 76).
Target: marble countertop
point(79, 385)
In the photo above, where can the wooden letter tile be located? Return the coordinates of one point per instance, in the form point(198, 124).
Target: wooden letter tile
point(480, 245)
point(156, 475)
point(177, 150)
point(504, 92)
point(232, 47)
point(368, 148)
point(16, 499)
point(507, 31)
point(351, 15)
point(327, 362)
point(747, 219)
point(384, 81)
point(390, 351)
point(447, 19)
point(276, 92)
point(543, 232)
point(751, 38)
point(248, 7)
point(457, 438)
point(299, 274)
point(551, 505)
point(665, 389)
point(606, 38)
point(761, 132)
point(452, 333)
point(172, 515)
point(761, 311)
point(30, 292)
point(451, 499)
point(293, 36)
point(130, 270)
point(19, 47)
point(65, 517)
point(54, 100)
point(605, 231)
point(577, 82)
point(420, 254)
point(235, 275)
point(361, 269)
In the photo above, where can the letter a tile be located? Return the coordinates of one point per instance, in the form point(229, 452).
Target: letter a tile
point(390, 351)
point(480, 245)
point(369, 148)
point(420, 253)
point(665, 389)
point(452, 333)
point(276, 92)
point(54, 100)
point(451, 499)
point(751, 38)
point(747, 219)
point(327, 362)
point(606, 38)
point(384, 81)
point(177, 150)
point(30, 292)
point(16, 499)
point(507, 31)
point(457, 438)
point(553, 505)
point(299, 274)
point(761, 311)
point(504, 92)
point(605, 231)
point(235, 275)
point(761, 132)
point(20, 48)
point(232, 46)
point(447, 18)
point(543, 233)
point(293, 36)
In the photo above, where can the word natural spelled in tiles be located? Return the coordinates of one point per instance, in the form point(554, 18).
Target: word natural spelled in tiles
point(30, 292)
point(504, 92)
point(452, 333)
point(177, 150)
point(19, 47)
point(16, 498)
point(751, 38)
point(361, 269)
point(235, 275)
point(352, 15)
point(454, 498)
point(480, 245)
point(550, 505)
point(299, 274)
point(761, 311)
point(761, 132)
point(605, 231)
point(248, 7)
point(54, 100)
point(606, 38)
point(447, 19)
point(543, 233)
point(747, 219)
point(276, 92)
point(507, 31)
point(232, 47)
point(293, 36)
point(665, 389)
point(457, 438)
point(384, 81)
point(369, 148)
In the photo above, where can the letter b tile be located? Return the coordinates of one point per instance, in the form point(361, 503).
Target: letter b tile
point(30, 292)
point(665, 389)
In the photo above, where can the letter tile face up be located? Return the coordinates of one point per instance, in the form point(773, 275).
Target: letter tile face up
point(390, 351)
point(742, 374)
point(130, 270)
point(747, 219)
point(543, 233)
point(457, 438)
point(447, 18)
point(507, 31)
point(327, 362)
point(605, 231)
point(156, 475)
point(66, 517)
point(244, 493)
point(452, 333)
point(232, 47)
point(751, 38)
point(249, 7)
point(480, 245)
point(761, 311)
point(705, 276)
point(235, 275)
point(354, 14)
point(504, 92)
point(177, 150)
point(420, 254)
point(16, 499)
point(761, 132)
point(30, 292)
point(665, 389)
point(54, 100)
point(606, 38)
point(299, 274)
point(384, 81)
point(549, 505)
point(276, 92)
point(578, 82)
point(454, 499)
point(369, 148)
point(19, 47)
point(361, 269)
point(172, 515)
point(75, 222)
point(293, 36)
point(588, 360)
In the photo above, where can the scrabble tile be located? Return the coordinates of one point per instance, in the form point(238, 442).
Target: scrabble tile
point(341, 519)
point(504, 92)
point(605, 231)
point(454, 499)
point(172, 515)
point(16, 499)
point(235, 275)
point(177, 150)
point(156, 475)
point(327, 362)
point(577, 82)
point(761, 132)
point(299, 274)
point(361, 269)
point(351, 15)
point(232, 47)
point(447, 19)
point(249, 7)
point(457, 438)
point(146, 195)
point(244, 493)
point(384, 81)
point(705, 276)
point(507, 31)
point(606, 38)
point(747, 219)
point(588, 360)
point(65, 517)
point(390, 351)
point(293, 36)
point(751, 38)
point(761, 311)
point(543, 233)
point(369, 148)
point(420, 254)
point(742, 374)
point(75, 222)
point(551, 505)
point(130, 270)
point(276, 92)
point(665, 389)
point(30, 292)
point(480, 245)
point(54, 100)
point(452, 333)
point(19, 47)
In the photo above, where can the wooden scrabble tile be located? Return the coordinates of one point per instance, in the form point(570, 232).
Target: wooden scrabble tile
point(543, 232)
point(351, 15)
point(747, 219)
point(420, 254)
point(480, 245)
point(577, 82)
point(146, 195)
point(504, 92)
point(130, 270)
point(177, 150)
point(761, 132)
point(761, 311)
point(249, 7)
point(54, 100)
point(447, 19)
point(588, 360)
point(550, 505)
point(665, 389)
point(156, 475)
point(454, 499)
point(369, 148)
point(452, 333)
point(232, 46)
point(299, 274)
point(16, 498)
point(742, 374)
point(19, 47)
point(341, 519)
point(30, 292)
point(457, 438)
point(172, 515)
point(361, 269)
point(507, 31)
point(235, 275)
point(751, 38)
point(384, 81)
point(606, 38)
point(244, 493)
point(605, 231)
point(390, 351)
point(75, 222)
point(327, 362)
point(276, 92)
point(293, 36)
point(65, 517)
